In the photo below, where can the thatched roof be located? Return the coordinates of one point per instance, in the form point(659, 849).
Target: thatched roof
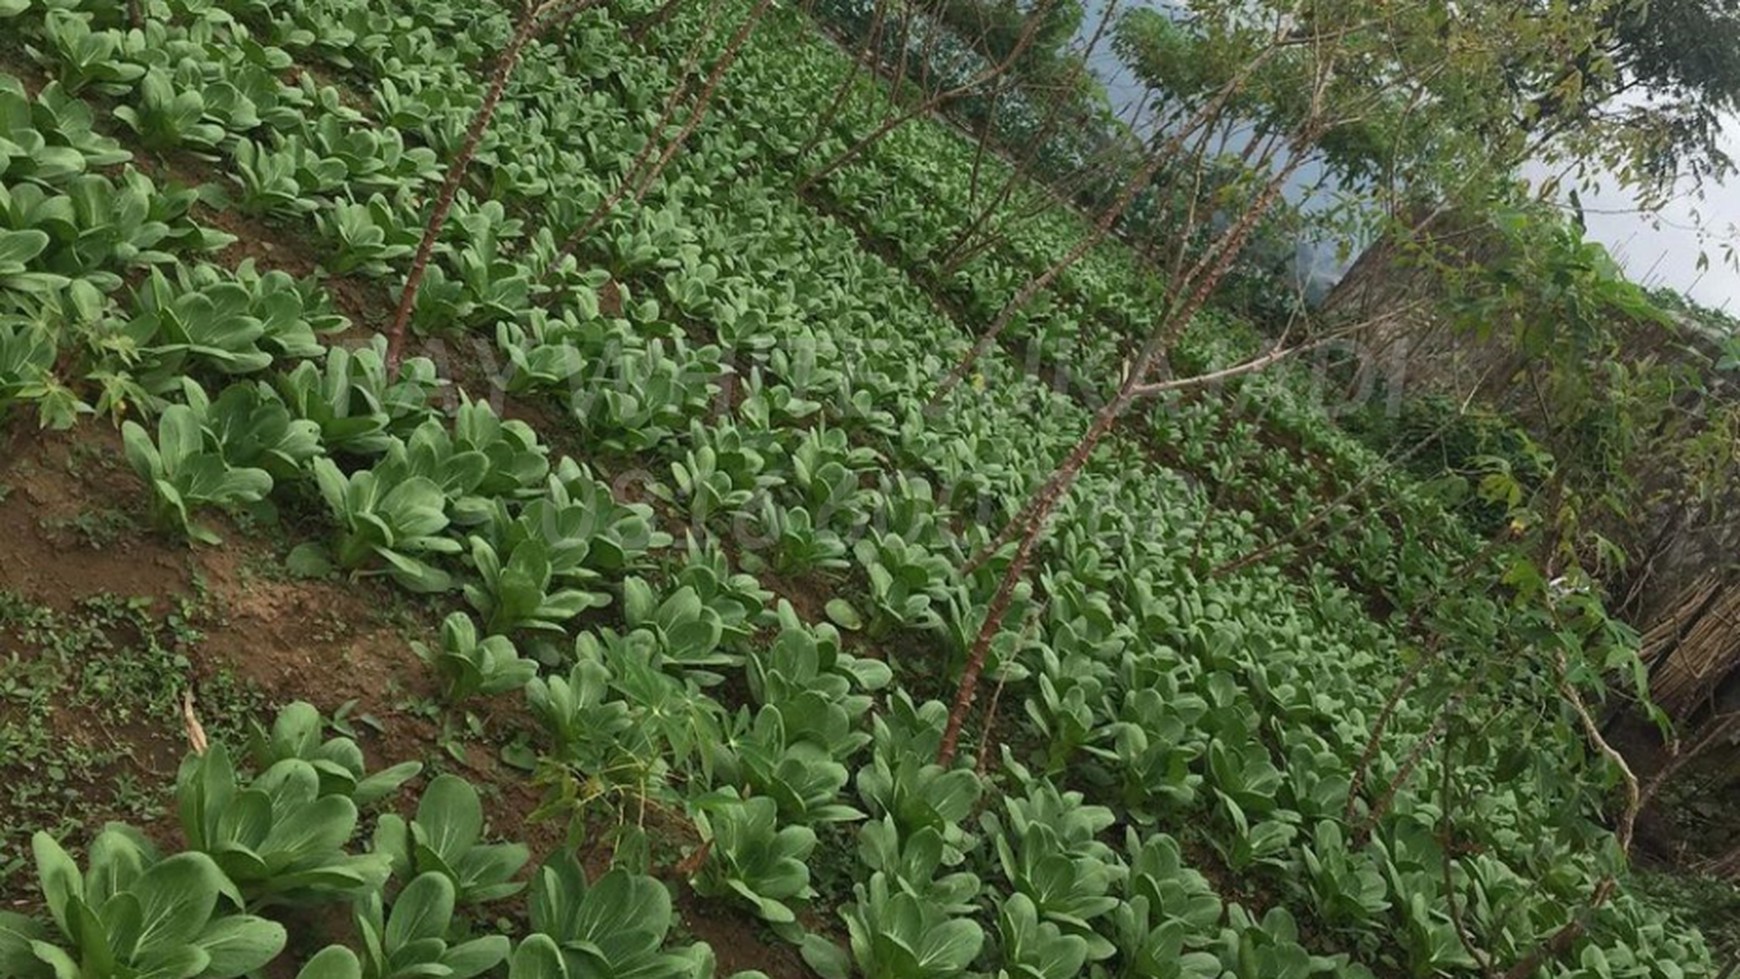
point(1695, 647)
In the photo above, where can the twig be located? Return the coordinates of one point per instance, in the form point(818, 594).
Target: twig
point(1226, 374)
point(1333, 507)
point(1130, 392)
point(984, 762)
point(640, 176)
point(1393, 701)
point(1448, 832)
point(1560, 942)
point(190, 723)
point(1406, 771)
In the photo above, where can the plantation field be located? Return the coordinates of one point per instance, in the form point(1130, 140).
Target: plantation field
point(614, 631)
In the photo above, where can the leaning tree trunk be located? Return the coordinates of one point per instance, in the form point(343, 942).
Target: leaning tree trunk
point(537, 20)
point(1029, 523)
point(644, 170)
point(929, 104)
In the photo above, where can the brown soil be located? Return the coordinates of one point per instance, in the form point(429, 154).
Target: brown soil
point(808, 595)
point(330, 643)
point(53, 481)
point(27, 72)
point(180, 166)
point(320, 641)
point(270, 247)
point(739, 942)
point(326, 642)
point(610, 299)
point(365, 302)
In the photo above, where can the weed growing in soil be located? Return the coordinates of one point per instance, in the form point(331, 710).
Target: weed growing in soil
point(90, 708)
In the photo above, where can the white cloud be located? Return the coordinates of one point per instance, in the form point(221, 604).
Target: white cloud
point(1662, 249)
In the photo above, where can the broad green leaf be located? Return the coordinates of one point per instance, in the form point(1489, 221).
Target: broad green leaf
point(16, 935)
point(538, 957)
point(829, 960)
point(332, 962)
point(452, 815)
point(176, 898)
point(476, 956)
point(239, 944)
point(842, 614)
point(57, 875)
point(421, 911)
point(19, 247)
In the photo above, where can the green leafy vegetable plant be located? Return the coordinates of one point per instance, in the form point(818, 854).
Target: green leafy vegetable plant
point(337, 761)
point(801, 776)
point(445, 838)
point(915, 863)
point(592, 728)
point(27, 357)
point(614, 927)
point(905, 579)
point(358, 407)
point(894, 935)
point(469, 666)
point(87, 57)
point(171, 112)
point(50, 139)
point(185, 473)
point(367, 237)
point(281, 180)
point(1051, 853)
point(751, 857)
point(135, 914)
point(413, 940)
point(332, 962)
point(385, 529)
point(276, 836)
point(1033, 948)
point(517, 593)
point(253, 429)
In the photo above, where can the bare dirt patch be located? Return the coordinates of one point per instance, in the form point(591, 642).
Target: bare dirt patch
point(72, 522)
point(739, 942)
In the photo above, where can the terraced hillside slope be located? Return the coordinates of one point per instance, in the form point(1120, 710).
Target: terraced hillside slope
point(612, 632)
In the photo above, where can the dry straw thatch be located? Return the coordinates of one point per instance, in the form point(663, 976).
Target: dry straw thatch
point(1693, 648)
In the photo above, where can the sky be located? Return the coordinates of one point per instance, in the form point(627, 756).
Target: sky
point(1662, 250)
point(1654, 249)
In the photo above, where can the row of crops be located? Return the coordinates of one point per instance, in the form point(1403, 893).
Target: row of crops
point(1169, 788)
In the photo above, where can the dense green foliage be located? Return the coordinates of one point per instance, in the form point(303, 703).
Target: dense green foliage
point(1187, 779)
